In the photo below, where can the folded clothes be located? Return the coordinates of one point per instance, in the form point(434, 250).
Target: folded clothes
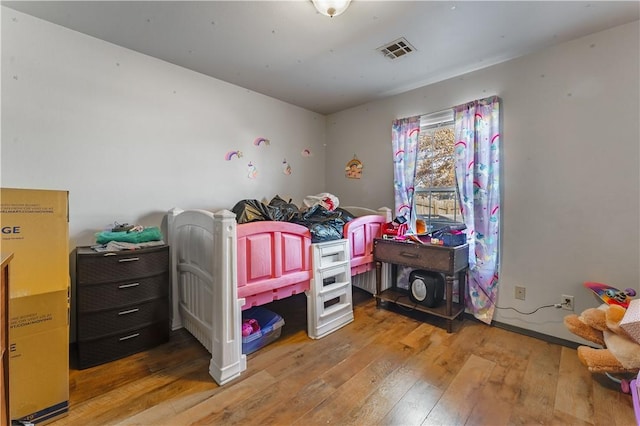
point(121, 245)
point(147, 234)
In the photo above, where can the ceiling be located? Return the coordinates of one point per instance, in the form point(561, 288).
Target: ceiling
point(286, 50)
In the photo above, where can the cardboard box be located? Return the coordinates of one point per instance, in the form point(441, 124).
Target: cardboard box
point(34, 226)
point(39, 357)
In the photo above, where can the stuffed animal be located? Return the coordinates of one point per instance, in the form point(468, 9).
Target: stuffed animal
point(250, 326)
point(606, 326)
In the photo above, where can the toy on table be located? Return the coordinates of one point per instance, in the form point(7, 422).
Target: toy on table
point(395, 229)
point(611, 295)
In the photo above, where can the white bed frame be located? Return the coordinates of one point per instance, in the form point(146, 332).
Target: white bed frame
point(204, 290)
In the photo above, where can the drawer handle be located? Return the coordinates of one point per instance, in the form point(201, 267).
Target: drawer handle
point(130, 311)
point(131, 336)
point(411, 255)
point(129, 285)
point(129, 259)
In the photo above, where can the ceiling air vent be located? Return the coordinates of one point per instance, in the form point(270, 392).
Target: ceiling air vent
point(396, 49)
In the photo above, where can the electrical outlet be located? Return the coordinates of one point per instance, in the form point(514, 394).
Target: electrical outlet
point(520, 293)
point(567, 302)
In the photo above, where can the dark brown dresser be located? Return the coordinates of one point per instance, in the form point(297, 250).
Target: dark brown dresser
point(122, 302)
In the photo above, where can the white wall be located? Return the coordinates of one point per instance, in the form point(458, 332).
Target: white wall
point(130, 136)
point(571, 177)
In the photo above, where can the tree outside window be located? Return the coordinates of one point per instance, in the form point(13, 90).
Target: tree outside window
point(436, 195)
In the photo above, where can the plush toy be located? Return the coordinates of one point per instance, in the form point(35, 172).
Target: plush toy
point(607, 326)
point(250, 326)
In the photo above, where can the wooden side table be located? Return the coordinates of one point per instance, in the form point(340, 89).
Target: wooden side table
point(449, 261)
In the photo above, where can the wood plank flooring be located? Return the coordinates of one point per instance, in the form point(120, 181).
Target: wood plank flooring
point(388, 367)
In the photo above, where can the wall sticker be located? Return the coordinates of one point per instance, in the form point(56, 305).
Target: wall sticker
point(252, 171)
point(286, 168)
point(230, 154)
point(353, 169)
point(261, 141)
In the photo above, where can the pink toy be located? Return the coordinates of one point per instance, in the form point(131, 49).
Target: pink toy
point(250, 326)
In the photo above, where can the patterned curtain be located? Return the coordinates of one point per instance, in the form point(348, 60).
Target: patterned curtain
point(404, 136)
point(477, 152)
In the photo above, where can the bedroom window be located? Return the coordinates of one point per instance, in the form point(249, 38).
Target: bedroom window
point(436, 195)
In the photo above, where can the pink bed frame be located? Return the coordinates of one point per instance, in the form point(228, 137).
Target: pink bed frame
point(361, 232)
point(274, 261)
point(220, 268)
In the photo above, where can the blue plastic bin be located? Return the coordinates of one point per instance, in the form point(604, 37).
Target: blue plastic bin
point(270, 329)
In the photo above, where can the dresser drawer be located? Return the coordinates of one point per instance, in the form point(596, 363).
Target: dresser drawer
point(99, 324)
point(114, 266)
point(447, 260)
point(95, 297)
point(118, 346)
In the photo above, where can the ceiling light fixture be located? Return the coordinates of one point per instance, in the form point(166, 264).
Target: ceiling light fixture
point(331, 8)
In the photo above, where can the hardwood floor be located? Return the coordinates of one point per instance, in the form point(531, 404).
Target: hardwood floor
point(385, 368)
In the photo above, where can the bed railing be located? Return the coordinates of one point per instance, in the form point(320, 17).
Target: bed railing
point(191, 253)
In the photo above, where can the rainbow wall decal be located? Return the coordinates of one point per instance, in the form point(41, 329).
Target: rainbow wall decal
point(261, 141)
point(306, 153)
point(230, 155)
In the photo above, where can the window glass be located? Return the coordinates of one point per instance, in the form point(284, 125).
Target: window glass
point(436, 195)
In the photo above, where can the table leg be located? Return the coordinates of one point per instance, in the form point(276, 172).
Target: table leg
point(462, 292)
point(449, 295)
point(378, 282)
